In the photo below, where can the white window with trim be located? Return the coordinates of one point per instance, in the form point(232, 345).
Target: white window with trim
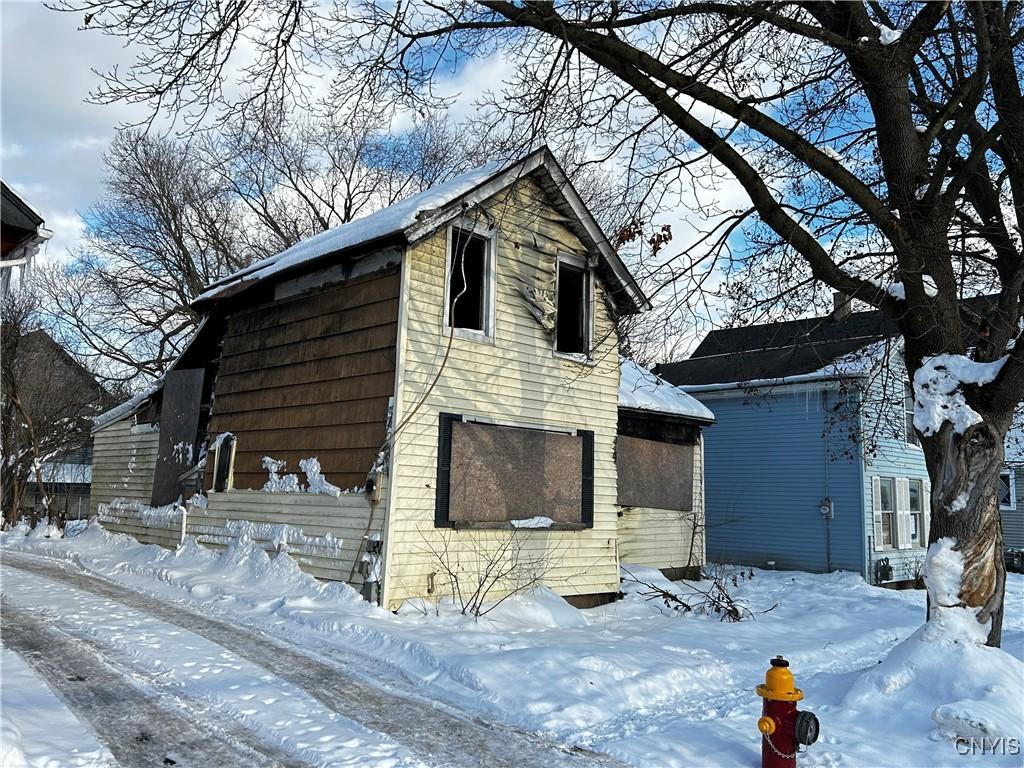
point(884, 505)
point(1007, 490)
point(915, 512)
point(900, 512)
point(908, 416)
point(469, 283)
point(574, 307)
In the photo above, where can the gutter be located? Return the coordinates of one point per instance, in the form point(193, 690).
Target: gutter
point(759, 383)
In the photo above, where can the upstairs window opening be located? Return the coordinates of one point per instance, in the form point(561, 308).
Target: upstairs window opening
point(469, 270)
point(572, 323)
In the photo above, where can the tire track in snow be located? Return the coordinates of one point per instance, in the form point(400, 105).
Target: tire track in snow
point(140, 729)
point(439, 736)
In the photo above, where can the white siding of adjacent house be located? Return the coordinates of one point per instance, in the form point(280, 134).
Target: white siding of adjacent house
point(124, 459)
point(516, 378)
point(895, 457)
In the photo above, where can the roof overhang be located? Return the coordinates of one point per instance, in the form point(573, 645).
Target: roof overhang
point(807, 378)
point(677, 418)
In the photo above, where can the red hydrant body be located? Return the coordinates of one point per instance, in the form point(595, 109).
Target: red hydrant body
point(783, 728)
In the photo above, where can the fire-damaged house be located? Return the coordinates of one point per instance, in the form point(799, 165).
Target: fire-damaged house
point(415, 394)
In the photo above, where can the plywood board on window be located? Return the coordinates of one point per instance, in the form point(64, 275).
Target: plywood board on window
point(507, 473)
point(654, 474)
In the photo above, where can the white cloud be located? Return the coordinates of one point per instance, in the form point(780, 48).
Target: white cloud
point(89, 143)
point(46, 67)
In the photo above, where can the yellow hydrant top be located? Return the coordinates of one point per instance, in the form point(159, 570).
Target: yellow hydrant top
point(778, 683)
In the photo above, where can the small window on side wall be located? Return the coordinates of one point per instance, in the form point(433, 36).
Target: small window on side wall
point(574, 309)
point(468, 284)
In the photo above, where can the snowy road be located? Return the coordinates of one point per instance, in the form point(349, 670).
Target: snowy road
point(139, 729)
point(229, 684)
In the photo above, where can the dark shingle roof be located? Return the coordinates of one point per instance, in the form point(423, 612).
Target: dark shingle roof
point(778, 350)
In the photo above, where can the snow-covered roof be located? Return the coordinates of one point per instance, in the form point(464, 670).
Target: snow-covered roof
point(128, 407)
point(642, 390)
point(417, 216)
point(65, 473)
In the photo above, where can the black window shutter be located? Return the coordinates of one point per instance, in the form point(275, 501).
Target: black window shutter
point(587, 502)
point(444, 468)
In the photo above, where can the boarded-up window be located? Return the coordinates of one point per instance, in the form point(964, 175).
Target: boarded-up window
point(492, 474)
point(654, 474)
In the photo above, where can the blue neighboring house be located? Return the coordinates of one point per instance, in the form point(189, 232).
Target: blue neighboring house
point(814, 463)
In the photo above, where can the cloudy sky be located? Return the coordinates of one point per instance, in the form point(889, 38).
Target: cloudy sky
point(51, 140)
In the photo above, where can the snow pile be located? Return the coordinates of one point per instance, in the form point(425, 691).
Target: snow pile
point(943, 678)
point(316, 482)
point(533, 522)
point(642, 390)
point(938, 391)
point(167, 516)
point(275, 482)
point(75, 527)
point(944, 567)
point(537, 608)
point(887, 35)
point(898, 290)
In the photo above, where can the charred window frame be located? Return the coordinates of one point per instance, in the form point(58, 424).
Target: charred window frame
point(442, 496)
point(469, 281)
point(574, 308)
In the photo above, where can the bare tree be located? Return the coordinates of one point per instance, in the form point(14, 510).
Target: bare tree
point(165, 229)
point(878, 146)
point(485, 568)
point(46, 398)
point(177, 216)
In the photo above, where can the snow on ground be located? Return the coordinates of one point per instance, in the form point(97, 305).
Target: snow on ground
point(36, 729)
point(204, 671)
point(634, 678)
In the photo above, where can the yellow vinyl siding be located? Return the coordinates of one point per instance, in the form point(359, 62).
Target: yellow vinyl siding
point(515, 378)
point(123, 463)
point(660, 538)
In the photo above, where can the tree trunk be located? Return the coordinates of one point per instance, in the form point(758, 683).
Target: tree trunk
point(964, 506)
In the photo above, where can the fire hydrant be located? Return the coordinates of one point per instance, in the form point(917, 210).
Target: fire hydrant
point(782, 727)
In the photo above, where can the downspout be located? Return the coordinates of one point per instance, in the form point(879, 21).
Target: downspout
point(827, 515)
point(865, 543)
